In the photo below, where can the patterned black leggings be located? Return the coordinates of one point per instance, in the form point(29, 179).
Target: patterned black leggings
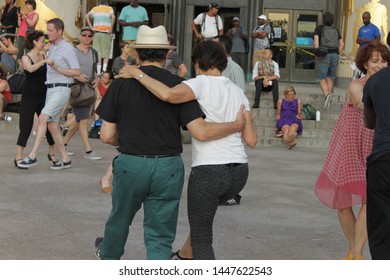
point(209, 185)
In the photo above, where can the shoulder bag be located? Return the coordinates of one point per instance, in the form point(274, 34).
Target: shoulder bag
point(82, 94)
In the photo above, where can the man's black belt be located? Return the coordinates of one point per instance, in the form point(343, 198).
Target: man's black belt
point(58, 85)
point(96, 31)
point(156, 156)
point(233, 164)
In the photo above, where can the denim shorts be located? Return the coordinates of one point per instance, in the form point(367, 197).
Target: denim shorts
point(56, 98)
point(327, 65)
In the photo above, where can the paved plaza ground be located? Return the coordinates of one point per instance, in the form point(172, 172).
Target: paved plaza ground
point(46, 214)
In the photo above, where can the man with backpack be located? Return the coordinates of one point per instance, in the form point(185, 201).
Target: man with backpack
point(260, 34)
point(328, 39)
point(210, 23)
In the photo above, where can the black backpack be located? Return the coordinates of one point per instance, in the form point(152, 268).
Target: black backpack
point(271, 36)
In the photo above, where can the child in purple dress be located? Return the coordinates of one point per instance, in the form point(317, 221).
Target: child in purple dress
point(288, 115)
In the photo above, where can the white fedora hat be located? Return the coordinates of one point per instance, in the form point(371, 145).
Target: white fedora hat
point(152, 38)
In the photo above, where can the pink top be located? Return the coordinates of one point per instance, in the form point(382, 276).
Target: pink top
point(23, 26)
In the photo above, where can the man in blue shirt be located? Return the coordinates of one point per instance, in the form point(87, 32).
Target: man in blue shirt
point(368, 32)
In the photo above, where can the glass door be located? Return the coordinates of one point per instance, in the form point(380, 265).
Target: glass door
point(294, 32)
point(281, 21)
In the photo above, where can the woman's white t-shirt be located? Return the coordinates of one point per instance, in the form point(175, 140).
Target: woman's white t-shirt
point(220, 100)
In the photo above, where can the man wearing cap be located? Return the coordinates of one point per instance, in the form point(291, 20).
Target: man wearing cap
point(210, 23)
point(149, 170)
point(260, 34)
point(239, 38)
point(103, 25)
point(88, 59)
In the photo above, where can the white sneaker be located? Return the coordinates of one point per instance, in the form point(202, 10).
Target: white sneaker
point(328, 100)
point(61, 165)
point(68, 151)
point(92, 156)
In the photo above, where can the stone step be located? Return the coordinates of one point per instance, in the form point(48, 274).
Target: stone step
point(268, 112)
point(308, 133)
point(315, 134)
point(307, 124)
point(302, 142)
point(335, 106)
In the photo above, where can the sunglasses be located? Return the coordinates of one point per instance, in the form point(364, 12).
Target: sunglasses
point(87, 35)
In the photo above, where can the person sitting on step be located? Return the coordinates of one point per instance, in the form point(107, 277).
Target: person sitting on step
point(266, 74)
point(288, 116)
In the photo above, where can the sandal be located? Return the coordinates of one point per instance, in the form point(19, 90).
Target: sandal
point(50, 158)
point(291, 138)
point(17, 161)
point(279, 134)
point(176, 256)
point(291, 144)
point(349, 256)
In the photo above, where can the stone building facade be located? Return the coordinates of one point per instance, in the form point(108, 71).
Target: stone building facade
point(293, 20)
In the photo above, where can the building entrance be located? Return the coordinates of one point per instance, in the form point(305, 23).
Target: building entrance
point(293, 47)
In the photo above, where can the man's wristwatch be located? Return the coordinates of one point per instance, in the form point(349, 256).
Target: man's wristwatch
point(140, 76)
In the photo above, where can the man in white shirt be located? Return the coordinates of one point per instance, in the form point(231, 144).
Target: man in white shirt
point(266, 74)
point(210, 23)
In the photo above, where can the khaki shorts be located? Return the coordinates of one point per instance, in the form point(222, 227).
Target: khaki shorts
point(56, 98)
point(102, 44)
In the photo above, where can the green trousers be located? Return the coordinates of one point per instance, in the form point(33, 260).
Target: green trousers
point(155, 183)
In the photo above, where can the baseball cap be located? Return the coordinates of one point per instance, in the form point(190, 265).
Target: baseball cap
point(87, 28)
point(236, 18)
point(214, 5)
point(262, 17)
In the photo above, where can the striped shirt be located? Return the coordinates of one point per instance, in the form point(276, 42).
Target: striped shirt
point(262, 43)
point(234, 72)
point(173, 62)
point(102, 17)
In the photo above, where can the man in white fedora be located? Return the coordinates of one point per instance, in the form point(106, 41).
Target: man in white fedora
point(149, 171)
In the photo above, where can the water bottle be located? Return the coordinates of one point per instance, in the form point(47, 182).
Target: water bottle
point(318, 116)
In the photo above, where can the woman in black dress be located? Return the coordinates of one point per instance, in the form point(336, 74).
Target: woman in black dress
point(33, 94)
